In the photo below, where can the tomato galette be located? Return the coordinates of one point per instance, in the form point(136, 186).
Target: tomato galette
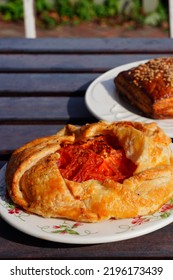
point(95, 172)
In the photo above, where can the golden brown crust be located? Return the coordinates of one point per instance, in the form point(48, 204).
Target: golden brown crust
point(35, 183)
point(149, 87)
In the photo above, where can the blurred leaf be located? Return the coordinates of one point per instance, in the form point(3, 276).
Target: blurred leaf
point(51, 13)
point(152, 19)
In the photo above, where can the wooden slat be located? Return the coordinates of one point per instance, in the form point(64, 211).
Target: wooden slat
point(45, 84)
point(14, 136)
point(15, 83)
point(85, 45)
point(65, 64)
point(42, 109)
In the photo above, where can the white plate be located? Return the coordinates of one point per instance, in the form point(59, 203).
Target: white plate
point(65, 231)
point(104, 103)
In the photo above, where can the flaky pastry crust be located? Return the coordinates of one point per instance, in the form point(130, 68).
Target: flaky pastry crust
point(35, 183)
point(149, 87)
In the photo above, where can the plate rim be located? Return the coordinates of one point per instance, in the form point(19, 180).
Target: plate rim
point(89, 92)
point(93, 239)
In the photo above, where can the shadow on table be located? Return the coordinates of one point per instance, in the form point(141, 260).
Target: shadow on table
point(14, 235)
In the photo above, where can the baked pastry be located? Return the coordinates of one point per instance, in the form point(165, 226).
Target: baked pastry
point(149, 87)
point(94, 172)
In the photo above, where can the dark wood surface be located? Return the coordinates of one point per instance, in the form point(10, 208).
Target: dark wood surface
point(42, 88)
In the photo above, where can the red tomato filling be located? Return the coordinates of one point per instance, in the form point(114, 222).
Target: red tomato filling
point(98, 158)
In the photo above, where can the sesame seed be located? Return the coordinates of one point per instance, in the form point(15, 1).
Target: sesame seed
point(155, 69)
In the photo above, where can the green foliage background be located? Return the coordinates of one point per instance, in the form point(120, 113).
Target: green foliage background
point(51, 13)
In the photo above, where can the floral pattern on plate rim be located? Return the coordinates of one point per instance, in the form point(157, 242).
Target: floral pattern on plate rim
point(164, 212)
point(72, 228)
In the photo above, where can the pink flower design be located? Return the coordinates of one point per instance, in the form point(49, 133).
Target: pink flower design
point(139, 220)
point(166, 207)
point(66, 228)
point(77, 224)
point(14, 211)
point(55, 227)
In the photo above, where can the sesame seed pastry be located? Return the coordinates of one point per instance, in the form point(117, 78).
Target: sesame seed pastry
point(149, 87)
point(93, 173)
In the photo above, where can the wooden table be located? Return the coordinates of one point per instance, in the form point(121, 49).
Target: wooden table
point(42, 88)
